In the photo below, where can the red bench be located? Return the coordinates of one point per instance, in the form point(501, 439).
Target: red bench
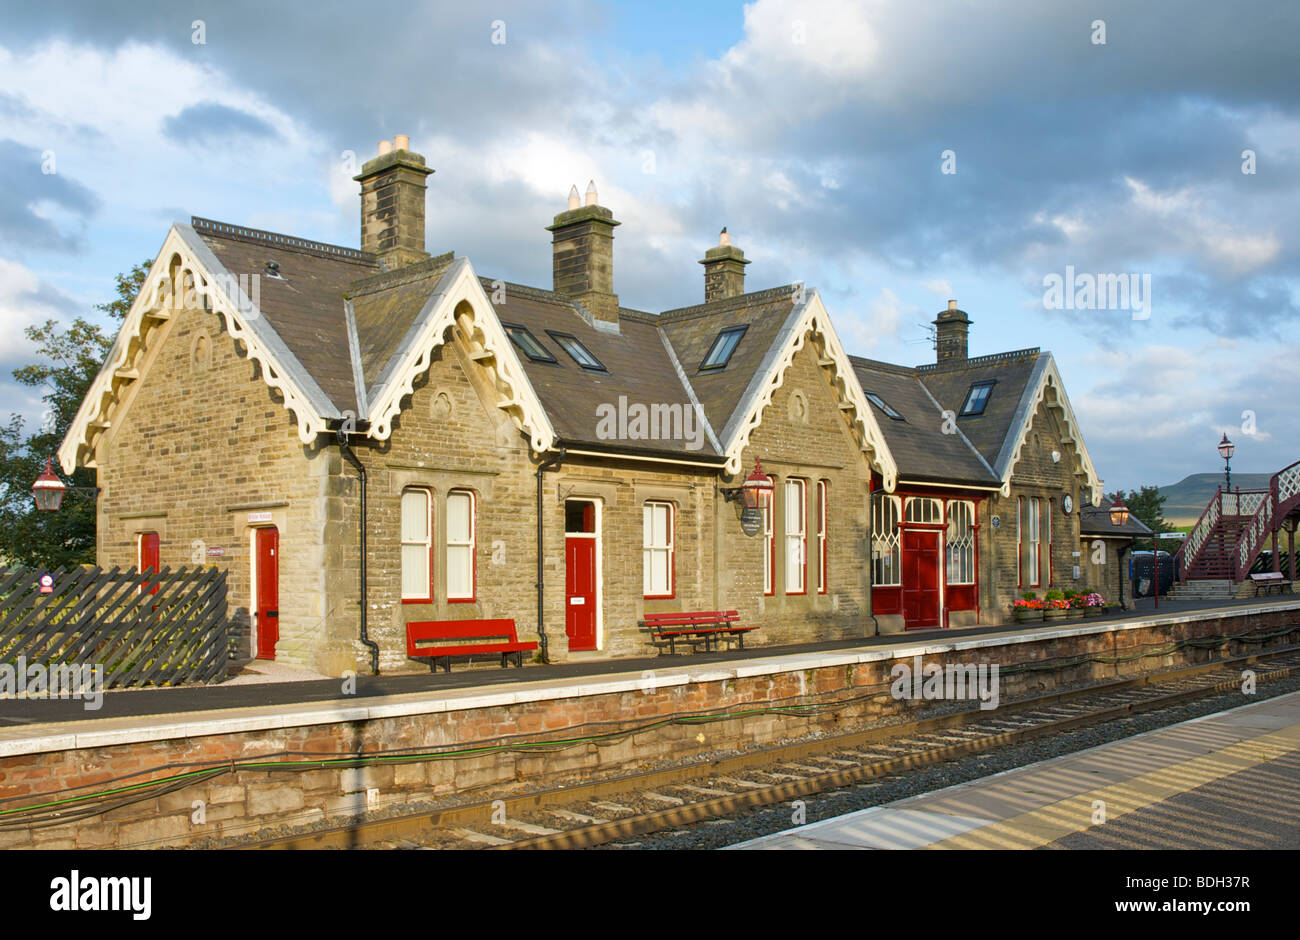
point(695, 627)
point(436, 640)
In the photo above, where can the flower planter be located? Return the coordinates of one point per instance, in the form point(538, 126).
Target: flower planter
point(1026, 616)
point(1094, 611)
point(1074, 613)
point(1055, 614)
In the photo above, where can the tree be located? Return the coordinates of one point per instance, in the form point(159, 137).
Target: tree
point(69, 359)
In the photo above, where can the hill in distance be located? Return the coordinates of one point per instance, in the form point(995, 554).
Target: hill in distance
point(1186, 499)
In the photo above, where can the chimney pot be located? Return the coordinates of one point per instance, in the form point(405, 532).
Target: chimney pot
point(591, 193)
point(952, 305)
point(723, 237)
point(575, 201)
point(385, 146)
point(402, 142)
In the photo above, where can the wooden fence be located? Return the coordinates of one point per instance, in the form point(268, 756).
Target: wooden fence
point(162, 628)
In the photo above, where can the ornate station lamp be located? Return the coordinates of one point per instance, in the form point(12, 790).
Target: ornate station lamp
point(49, 489)
point(751, 494)
point(1226, 449)
point(1118, 513)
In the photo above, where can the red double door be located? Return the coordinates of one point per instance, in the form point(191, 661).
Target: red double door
point(266, 567)
point(921, 598)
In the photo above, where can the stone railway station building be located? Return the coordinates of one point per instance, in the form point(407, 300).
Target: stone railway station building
point(554, 457)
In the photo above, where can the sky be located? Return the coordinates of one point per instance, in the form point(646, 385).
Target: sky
point(891, 154)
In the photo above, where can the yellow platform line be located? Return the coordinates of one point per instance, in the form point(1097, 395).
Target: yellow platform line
point(1054, 821)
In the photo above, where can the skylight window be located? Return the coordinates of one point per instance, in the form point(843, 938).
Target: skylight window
point(880, 403)
point(977, 398)
point(528, 344)
point(580, 353)
point(722, 348)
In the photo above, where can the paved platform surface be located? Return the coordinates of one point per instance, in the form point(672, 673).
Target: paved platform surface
point(266, 691)
point(1224, 781)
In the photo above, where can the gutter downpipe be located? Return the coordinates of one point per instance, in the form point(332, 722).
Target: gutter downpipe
point(346, 451)
point(542, 644)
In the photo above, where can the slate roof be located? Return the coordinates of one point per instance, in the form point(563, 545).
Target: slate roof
point(648, 358)
point(1095, 520)
point(920, 447)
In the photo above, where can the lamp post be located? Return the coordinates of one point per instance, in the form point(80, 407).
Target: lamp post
point(1119, 519)
point(1226, 449)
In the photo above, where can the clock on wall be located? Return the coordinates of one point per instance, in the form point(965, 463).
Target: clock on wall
point(1068, 504)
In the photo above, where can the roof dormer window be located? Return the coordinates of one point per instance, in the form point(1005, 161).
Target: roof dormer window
point(977, 398)
point(528, 344)
point(883, 406)
point(580, 353)
point(723, 346)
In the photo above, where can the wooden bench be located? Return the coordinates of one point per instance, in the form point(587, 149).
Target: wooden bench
point(1269, 580)
point(440, 640)
point(695, 627)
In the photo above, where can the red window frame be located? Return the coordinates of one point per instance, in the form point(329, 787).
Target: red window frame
point(672, 549)
point(1020, 542)
point(473, 548)
point(823, 536)
point(428, 498)
point(1051, 509)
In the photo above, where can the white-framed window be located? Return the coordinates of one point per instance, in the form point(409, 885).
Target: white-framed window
point(461, 525)
point(886, 554)
point(417, 545)
point(769, 540)
point(961, 542)
point(924, 509)
point(1047, 540)
point(823, 491)
point(657, 549)
point(1035, 534)
point(796, 535)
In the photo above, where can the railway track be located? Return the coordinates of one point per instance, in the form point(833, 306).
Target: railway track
point(620, 808)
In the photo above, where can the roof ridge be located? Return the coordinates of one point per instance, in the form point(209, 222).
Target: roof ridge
point(732, 303)
point(277, 240)
point(954, 364)
point(524, 290)
point(883, 366)
point(384, 280)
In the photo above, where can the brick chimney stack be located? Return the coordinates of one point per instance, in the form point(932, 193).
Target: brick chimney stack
point(392, 204)
point(724, 269)
point(952, 329)
point(582, 255)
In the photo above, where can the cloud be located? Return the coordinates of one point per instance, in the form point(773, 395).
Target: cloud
point(40, 209)
point(211, 123)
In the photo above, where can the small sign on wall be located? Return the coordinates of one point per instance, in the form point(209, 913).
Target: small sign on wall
point(263, 516)
point(216, 551)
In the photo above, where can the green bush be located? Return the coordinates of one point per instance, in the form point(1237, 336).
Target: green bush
point(1054, 595)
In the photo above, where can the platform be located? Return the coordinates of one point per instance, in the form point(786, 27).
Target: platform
point(132, 715)
point(1226, 780)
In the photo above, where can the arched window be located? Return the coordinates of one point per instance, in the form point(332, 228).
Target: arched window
point(417, 545)
point(886, 555)
point(461, 525)
point(961, 542)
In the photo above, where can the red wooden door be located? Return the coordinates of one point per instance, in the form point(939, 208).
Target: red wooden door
point(920, 580)
point(149, 557)
point(267, 554)
point(580, 593)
